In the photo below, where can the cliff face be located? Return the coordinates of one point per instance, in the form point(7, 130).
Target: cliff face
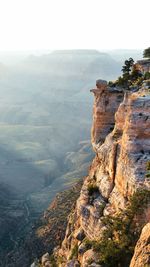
point(141, 255)
point(120, 138)
point(106, 104)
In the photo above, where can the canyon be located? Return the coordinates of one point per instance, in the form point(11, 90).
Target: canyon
point(54, 157)
point(44, 148)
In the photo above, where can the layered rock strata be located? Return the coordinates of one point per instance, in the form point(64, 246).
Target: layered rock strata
point(106, 103)
point(120, 138)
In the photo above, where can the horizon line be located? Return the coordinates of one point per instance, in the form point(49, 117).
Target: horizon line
point(69, 49)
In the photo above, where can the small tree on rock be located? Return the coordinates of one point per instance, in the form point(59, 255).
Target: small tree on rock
point(126, 69)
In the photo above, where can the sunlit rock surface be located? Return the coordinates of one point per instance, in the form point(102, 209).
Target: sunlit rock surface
point(118, 169)
point(141, 255)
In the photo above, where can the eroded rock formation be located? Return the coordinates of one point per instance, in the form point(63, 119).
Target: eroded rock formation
point(106, 103)
point(141, 255)
point(120, 138)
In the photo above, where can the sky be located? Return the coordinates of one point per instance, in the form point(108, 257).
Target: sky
point(74, 24)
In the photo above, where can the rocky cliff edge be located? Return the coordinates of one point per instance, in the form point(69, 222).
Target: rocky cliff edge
point(120, 139)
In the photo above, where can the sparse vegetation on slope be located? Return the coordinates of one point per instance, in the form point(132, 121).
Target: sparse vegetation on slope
point(122, 232)
point(131, 75)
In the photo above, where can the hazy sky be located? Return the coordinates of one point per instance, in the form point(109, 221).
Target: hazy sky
point(73, 24)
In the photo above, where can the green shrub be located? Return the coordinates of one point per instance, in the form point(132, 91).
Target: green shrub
point(138, 202)
point(87, 243)
point(139, 81)
point(148, 166)
point(121, 81)
point(147, 76)
point(148, 175)
point(60, 260)
point(111, 84)
point(117, 134)
point(90, 261)
point(131, 76)
point(148, 169)
point(116, 247)
point(74, 252)
point(53, 261)
point(135, 74)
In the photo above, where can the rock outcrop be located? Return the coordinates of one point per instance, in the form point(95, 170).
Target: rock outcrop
point(106, 104)
point(120, 138)
point(141, 255)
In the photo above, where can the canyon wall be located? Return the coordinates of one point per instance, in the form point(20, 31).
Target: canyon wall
point(120, 138)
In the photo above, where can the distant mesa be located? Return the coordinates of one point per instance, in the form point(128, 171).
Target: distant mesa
point(77, 51)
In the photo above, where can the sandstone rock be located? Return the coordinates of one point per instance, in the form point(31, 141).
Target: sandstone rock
point(101, 84)
point(133, 148)
point(89, 256)
point(120, 165)
point(73, 263)
point(141, 255)
point(95, 265)
point(46, 260)
point(105, 106)
point(48, 264)
point(122, 146)
point(35, 264)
